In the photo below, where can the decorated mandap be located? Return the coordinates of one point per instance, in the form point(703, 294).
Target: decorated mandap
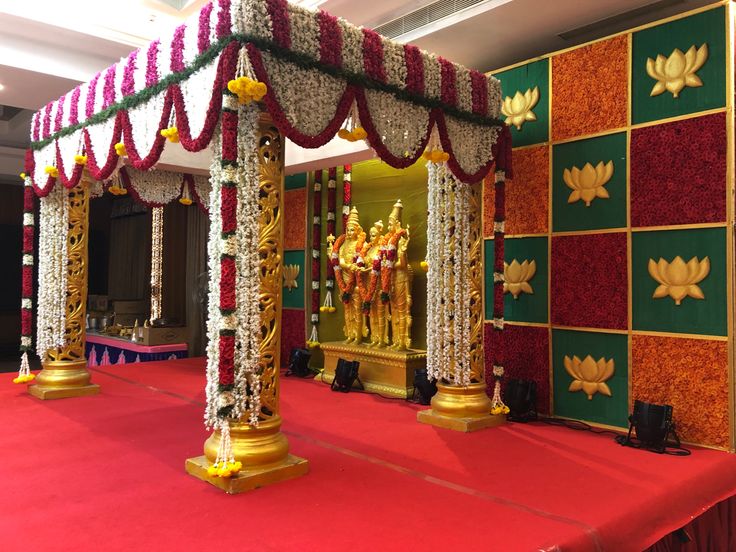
point(237, 79)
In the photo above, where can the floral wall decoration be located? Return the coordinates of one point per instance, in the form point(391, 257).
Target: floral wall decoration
point(620, 197)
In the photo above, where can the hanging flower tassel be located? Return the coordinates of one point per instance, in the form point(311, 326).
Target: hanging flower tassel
point(352, 131)
point(328, 306)
point(24, 373)
point(499, 217)
point(120, 150)
point(497, 404)
point(313, 341)
point(246, 87)
point(186, 197)
point(225, 464)
point(171, 134)
point(434, 153)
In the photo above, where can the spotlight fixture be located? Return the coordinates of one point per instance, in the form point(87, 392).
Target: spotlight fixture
point(521, 398)
point(299, 363)
point(346, 373)
point(654, 429)
point(424, 389)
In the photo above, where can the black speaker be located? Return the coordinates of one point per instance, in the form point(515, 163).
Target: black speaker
point(299, 363)
point(346, 373)
point(424, 389)
point(521, 398)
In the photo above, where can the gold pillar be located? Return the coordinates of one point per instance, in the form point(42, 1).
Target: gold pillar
point(264, 451)
point(454, 406)
point(65, 371)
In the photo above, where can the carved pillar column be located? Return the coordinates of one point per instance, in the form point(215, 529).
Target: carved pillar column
point(65, 371)
point(467, 408)
point(263, 451)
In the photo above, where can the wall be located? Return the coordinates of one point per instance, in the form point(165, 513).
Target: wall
point(667, 197)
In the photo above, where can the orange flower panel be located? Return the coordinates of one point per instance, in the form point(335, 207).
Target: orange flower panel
point(527, 197)
point(689, 374)
point(590, 88)
point(295, 219)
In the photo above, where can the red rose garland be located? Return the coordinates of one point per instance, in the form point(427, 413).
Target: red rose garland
point(367, 294)
point(313, 340)
point(346, 288)
point(388, 261)
point(26, 311)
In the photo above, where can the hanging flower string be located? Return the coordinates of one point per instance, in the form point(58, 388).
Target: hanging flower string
point(313, 340)
point(327, 306)
point(433, 153)
point(497, 404)
point(352, 131)
point(347, 193)
point(26, 307)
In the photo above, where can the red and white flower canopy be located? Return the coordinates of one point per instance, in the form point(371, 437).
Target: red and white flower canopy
point(318, 69)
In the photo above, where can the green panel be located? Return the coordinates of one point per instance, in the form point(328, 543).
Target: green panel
point(709, 28)
point(699, 316)
point(600, 408)
point(603, 212)
point(521, 79)
point(376, 187)
point(527, 307)
point(295, 181)
point(294, 298)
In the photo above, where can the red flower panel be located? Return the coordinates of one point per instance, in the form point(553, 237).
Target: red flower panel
point(589, 281)
point(678, 172)
point(295, 219)
point(293, 332)
point(689, 374)
point(527, 357)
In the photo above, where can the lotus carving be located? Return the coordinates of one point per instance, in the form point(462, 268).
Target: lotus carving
point(516, 277)
point(677, 71)
point(589, 375)
point(291, 273)
point(588, 183)
point(679, 279)
point(518, 109)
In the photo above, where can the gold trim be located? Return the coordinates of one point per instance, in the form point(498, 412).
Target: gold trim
point(680, 335)
point(530, 146)
point(607, 132)
point(730, 91)
point(550, 182)
point(679, 227)
point(587, 329)
point(629, 262)
point(516, 323)
point(590, 232)
point(679, 118)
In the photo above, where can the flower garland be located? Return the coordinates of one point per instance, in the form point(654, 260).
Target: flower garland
point(347, 193)
point(313, 340)
point(497, 404)
point(368, 293)
point(52, 271)
point(26, 307)
point(346, 288)
point(331, 231)
point(157, 245)
point(388, 260)
point(448, 299)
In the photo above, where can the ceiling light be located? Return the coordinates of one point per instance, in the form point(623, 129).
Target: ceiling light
point(2, 87)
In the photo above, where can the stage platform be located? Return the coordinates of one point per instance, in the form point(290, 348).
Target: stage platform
point(107, 473)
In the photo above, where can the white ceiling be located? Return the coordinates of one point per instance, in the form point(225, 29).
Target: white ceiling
point(45, 51)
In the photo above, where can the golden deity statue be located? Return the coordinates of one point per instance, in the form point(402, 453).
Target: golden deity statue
point(371, 291)
point(396, 279)
point(345, 256)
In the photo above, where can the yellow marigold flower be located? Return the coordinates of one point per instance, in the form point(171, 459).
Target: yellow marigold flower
point(185, 201)
point(120, 149)
point(171, 134)
point(17, 380)
point(22, 176)
point(80, 159)
point(359, 133)
point(212, 470)
point(51, 171)
point(332, 309)
point(345, 134)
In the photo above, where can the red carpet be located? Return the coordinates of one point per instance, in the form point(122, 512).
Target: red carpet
point(106, 473)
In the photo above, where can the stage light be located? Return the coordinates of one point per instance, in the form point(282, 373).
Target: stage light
point(521, 398)
point(346, 373)
point(654, 429)
point(299, 363)
point(424, 389)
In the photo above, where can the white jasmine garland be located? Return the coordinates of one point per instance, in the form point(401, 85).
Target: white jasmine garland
point(471, 143)
point(203, 188)
point(401, 125)
point(304, 28)
point(145, 118)
point(52, 271)
point(197, 93)
point(154, 186)
point(352, 47)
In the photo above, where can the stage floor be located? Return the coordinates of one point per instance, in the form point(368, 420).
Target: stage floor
point(107, 473)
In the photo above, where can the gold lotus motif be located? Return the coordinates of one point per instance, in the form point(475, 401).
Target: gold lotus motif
point(677, 71)
point(516, 277)
point(589, 375)
point(518, 109)
point(291, 272)
point(679, 279)
point(588, 183)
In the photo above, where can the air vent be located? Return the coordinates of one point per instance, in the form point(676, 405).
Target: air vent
point(424, 16)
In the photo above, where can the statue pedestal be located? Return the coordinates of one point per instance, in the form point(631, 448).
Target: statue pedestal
point(381, 371)
point(460, 408)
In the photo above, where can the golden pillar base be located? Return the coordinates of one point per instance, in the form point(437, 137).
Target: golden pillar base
point(461, 408)
point(63, 379)
point(264, 452)
point(381, 371)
